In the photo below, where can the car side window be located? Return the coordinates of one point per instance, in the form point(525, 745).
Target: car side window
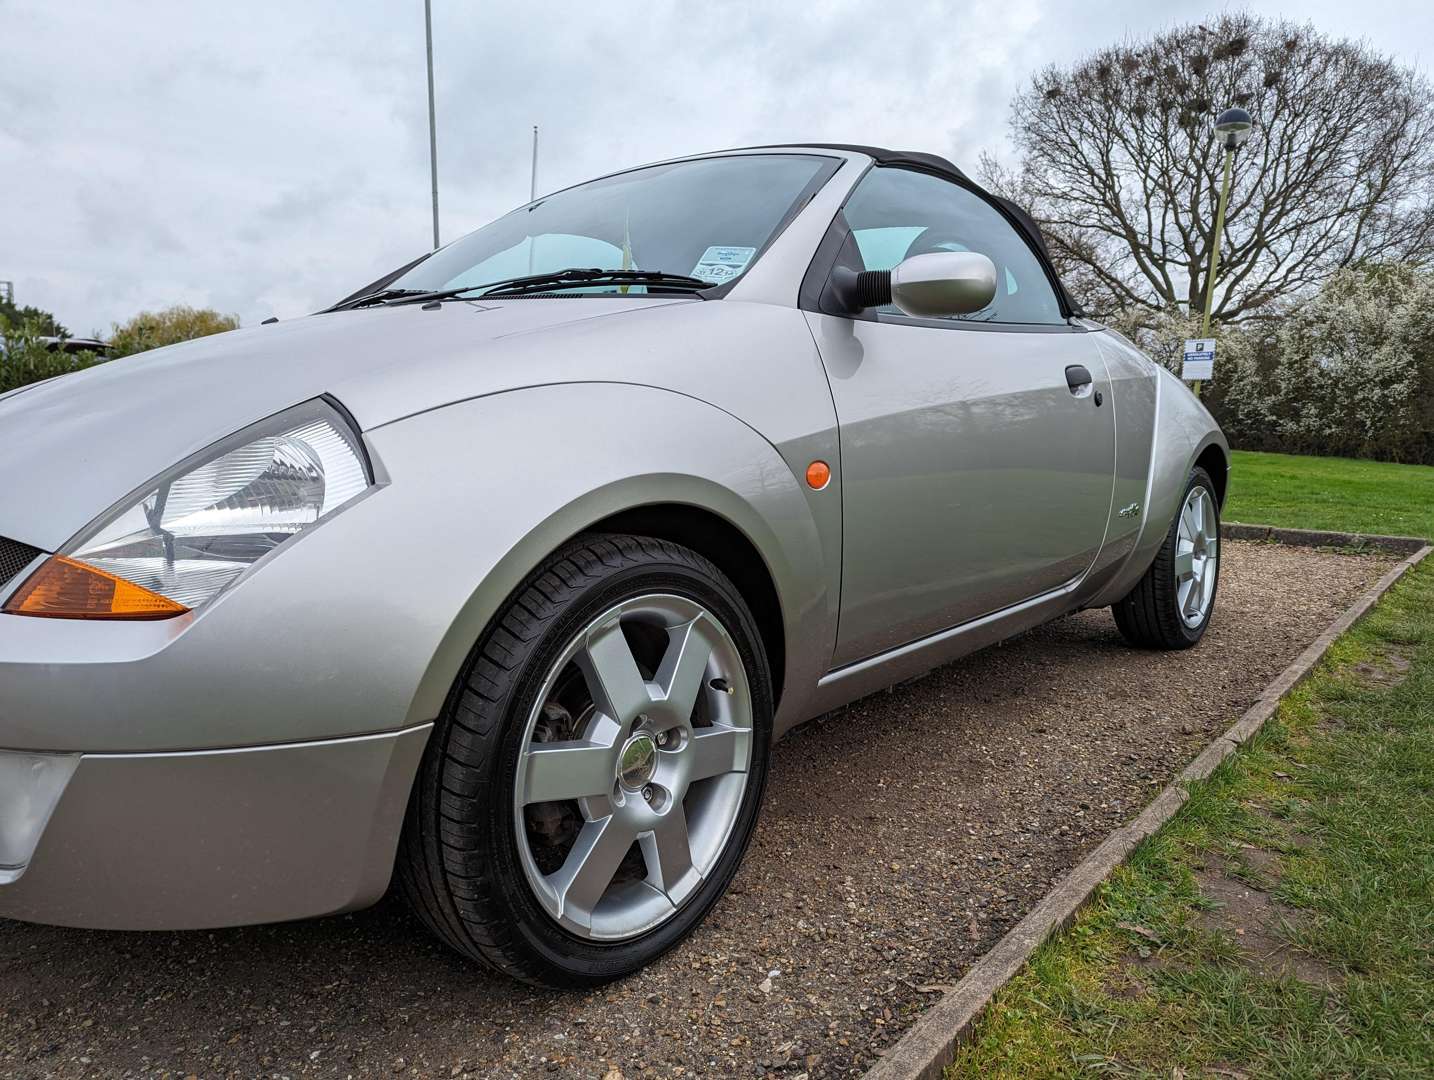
point(896, 213)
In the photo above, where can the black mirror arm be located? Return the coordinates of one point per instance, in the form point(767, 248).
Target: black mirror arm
point(857, 290)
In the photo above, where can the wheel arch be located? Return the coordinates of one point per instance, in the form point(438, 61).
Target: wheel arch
point(1214, 461)
point(695, 512)
point(730, 549)
point(690, 473)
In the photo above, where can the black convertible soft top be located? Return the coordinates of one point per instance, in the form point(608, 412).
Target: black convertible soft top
point(939, 166)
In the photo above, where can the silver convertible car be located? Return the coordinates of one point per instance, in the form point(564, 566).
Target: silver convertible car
point(500, 577)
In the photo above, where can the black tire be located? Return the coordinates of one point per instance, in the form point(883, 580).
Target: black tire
point(459, 862)
point(1149, 616)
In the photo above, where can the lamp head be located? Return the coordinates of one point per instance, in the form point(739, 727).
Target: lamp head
point(1233, 126)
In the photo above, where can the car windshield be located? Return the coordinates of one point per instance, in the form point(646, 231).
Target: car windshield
point(708, 219)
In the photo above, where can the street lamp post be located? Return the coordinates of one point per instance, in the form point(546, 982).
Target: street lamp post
point(532, 196)
point(1233, 126)
point(533, 176)
point(432, 121)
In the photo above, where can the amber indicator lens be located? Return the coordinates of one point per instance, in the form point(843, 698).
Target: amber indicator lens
point(819, 474)
point(65, 589)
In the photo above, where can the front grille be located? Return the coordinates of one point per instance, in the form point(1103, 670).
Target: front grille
point(14, 557)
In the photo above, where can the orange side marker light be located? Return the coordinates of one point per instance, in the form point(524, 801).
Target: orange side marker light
point(65, 589)
point(819, 475)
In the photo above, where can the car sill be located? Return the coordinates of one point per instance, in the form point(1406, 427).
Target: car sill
point(855, 680)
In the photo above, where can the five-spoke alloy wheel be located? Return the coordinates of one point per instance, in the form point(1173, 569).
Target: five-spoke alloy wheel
point(591, 787)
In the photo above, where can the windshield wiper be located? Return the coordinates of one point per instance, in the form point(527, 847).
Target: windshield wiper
point(566, 279)
point(572, 278)
point(382, 296)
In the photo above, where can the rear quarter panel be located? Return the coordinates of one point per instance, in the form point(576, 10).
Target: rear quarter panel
point(1162, 428)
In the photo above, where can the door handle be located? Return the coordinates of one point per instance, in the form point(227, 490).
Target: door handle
point(1079, 380)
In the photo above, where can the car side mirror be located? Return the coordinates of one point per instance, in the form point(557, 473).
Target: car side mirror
point(931, 286)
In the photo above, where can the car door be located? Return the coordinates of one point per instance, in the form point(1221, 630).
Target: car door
point(974, 474)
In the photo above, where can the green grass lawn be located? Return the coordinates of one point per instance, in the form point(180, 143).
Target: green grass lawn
point(1330, 813)
point(1331, 493)
point(1282, 924)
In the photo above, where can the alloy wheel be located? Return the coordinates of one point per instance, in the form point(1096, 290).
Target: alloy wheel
point(633, 766)
point(1197, 556)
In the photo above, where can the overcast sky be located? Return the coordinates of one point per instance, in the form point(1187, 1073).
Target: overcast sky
point(266, 158)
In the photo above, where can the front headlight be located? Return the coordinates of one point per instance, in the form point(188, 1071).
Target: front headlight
point(191, 532)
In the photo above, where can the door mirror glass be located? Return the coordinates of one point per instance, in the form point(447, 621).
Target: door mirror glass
point(943, 283)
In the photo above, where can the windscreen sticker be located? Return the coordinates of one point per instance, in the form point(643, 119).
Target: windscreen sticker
point(720, 264)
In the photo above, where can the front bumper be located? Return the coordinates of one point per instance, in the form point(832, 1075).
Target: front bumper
point(244, 766)
point(249, 762)
point(190, 840)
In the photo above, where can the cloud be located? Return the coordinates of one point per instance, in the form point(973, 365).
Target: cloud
point(266, 158)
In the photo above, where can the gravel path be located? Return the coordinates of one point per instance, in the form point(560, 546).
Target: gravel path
point(901, 838)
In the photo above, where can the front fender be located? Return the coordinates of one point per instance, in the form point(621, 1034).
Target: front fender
point(362, 624)
point(506, 479)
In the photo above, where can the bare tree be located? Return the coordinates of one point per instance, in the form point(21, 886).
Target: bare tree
point(1119, 164)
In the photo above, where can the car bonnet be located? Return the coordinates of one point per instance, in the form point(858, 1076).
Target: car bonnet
point(72, 447)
